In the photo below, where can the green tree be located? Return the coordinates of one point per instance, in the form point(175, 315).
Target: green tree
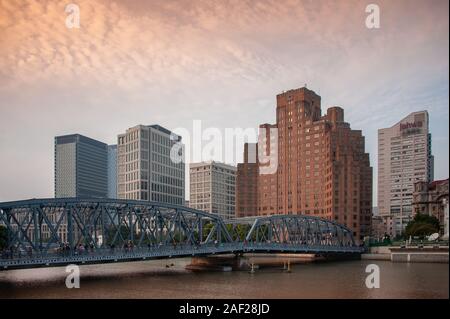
point(179, 237)
point(422, 225)
point(124, 233)
point(239, 231)
point(242, 231)
point(207, 229)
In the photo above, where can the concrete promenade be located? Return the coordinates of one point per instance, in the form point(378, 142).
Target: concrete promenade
point(408, 254)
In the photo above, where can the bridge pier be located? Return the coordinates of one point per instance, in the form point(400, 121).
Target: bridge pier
point(243, 262)
point(338, 256)
point(216, 263)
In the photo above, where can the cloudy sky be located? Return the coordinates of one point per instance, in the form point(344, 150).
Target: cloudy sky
point(219, 61)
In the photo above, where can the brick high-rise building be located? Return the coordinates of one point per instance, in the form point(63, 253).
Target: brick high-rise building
point(322, 169)
point(247, 182)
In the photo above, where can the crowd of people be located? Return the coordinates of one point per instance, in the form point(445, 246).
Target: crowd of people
point(16, 252)
point(65, 249)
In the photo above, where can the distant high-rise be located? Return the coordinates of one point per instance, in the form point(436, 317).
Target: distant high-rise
point(247, 182)
point(404, 157)
point(213, 188)
point(80, 167)
point(112, 171)
point(146, 170)
point(322, 168)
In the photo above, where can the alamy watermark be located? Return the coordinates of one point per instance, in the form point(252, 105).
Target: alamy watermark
point(73, 278)
point(205, 144)
point(373, 279)
point(373, 19)
point(73, 17)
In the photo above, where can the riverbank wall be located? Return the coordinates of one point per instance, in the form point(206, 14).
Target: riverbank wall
point(408, 254)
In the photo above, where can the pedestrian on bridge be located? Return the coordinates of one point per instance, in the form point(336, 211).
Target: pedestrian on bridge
point(131, 245)
point(80, 249)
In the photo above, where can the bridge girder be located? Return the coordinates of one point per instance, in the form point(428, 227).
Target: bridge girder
point(43, 225)
point(60, 231)
point(299, 230)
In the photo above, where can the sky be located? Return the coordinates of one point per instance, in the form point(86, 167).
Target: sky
point(221, 62)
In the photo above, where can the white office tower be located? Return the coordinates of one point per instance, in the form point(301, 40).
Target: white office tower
point(146, 169)
point(404, 157)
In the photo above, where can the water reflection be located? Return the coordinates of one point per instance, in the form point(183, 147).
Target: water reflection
point(159, 279)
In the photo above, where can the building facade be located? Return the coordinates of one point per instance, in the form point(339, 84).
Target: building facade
point(247, 182)
point(379, 229)
point(322, 168)
point(404, 157)
point(213, 188)
point(112, 171)
point(432, 199)
point(150, 163)
point(80, 167)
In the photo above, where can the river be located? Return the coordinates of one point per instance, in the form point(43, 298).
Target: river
point(169, 279)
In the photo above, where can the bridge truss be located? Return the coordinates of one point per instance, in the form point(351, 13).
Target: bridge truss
point(47, 232)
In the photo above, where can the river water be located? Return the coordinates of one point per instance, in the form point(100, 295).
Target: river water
point(169, 279)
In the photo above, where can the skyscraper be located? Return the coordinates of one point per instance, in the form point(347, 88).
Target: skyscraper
point(112, 171)
point(404, 157)
point(247, 182)
point(213, 188)
point(322, 168)
point(80, 167)
point(151, 165)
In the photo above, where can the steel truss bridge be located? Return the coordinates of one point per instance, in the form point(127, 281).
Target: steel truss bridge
point(57, 232)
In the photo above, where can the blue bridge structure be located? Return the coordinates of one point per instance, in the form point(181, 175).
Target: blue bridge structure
point(58, 232)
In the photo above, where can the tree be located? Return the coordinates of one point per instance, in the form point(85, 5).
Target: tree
point(422, 225)
point(237, 232)
point(242, 231)
point(123, 237)
point(207, 228)
point(3, 237)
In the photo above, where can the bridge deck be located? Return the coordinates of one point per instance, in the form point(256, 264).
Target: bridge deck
point(139, 254)
point(53, 232)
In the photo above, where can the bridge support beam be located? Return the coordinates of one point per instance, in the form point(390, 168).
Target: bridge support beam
point(64, 231)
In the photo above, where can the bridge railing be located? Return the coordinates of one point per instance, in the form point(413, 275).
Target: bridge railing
point(299, 248)
point(171, 250)
point(20, 255)
point(116, 254)
point(64, 230)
